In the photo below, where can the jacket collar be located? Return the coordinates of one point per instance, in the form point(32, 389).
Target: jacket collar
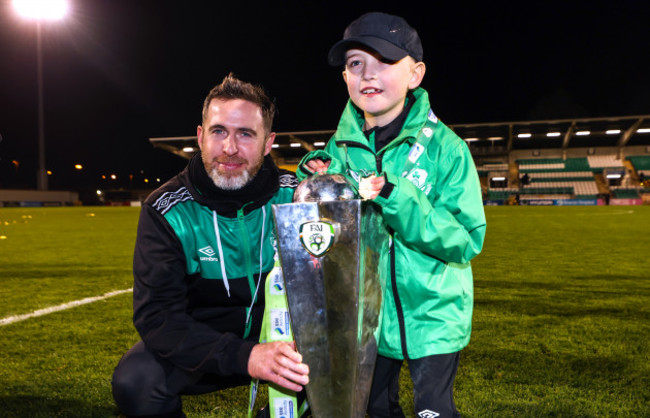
point(350, 127)
point(252, 196)
point(383, 135)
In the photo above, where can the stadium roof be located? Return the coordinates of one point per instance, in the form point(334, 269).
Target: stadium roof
point(484, 139)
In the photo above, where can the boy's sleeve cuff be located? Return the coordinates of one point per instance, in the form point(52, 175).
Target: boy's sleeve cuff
point(303, 172)
point(385, 192)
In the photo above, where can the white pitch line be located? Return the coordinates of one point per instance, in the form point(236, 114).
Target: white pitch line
point(45, 311)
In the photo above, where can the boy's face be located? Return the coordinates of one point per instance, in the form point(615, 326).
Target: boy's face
point(379, 88)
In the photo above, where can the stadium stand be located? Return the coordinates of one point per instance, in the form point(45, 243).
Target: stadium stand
point(502, 194)
point(553, 165)
point(604, 161)
point(588, 160)
point(624, 192)
point(579, 189)
point(568, 178)
point(489, 166)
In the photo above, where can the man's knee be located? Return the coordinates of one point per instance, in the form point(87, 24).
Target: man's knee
point(139, 386)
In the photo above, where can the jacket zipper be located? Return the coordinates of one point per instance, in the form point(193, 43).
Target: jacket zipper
point(398, 302)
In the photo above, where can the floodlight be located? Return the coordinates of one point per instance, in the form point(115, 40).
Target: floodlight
point(41, 9)
point(613, 176)
point(188, 149)
point(471, 139)
point(526, 135)
point(275, 146)
point(552, 134)
point(295, 145)
point(583, 133)
point(643, 131)
point(319, 144)
point(613, 131)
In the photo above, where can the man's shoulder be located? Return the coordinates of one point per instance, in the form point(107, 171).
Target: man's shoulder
point(168, 195)
point(288, 179)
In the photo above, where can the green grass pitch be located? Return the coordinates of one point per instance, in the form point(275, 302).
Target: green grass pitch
point(561, 318)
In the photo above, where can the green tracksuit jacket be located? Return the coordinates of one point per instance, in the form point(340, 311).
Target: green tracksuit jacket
point(435, 214)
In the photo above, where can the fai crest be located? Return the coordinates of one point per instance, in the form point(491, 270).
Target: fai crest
point(317, 237)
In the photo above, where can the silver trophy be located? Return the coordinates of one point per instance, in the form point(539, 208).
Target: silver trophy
point(330, 244)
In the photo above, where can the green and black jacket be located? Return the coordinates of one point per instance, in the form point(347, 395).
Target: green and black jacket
point(199, 257)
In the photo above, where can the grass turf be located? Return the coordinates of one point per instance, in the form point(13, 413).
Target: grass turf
point(561, 315)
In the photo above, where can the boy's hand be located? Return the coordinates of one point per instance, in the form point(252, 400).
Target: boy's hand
point(280, 363)
point(318, 166)
point(369, 187)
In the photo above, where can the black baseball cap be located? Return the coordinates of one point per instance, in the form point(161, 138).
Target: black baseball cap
point(390, 36)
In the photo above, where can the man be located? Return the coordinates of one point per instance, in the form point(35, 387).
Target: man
point(205, 244)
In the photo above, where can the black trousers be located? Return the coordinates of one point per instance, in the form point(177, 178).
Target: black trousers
point(146, 385)
point(433, 387)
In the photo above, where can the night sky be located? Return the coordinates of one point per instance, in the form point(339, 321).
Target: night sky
point(118, 72)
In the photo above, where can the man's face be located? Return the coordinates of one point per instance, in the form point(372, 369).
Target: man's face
point(377, 87)
point(233, 142)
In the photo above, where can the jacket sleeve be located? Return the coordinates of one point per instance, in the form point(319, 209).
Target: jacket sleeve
point(450, 227)
point(160, 306)
point(335, 165)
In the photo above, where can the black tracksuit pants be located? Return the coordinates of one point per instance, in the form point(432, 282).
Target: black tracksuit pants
point(144, 384)
point(433, 384)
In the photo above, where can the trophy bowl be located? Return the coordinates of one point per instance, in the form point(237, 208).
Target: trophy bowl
point(325, 188)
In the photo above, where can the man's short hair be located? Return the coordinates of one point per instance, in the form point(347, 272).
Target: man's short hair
point(233, 88)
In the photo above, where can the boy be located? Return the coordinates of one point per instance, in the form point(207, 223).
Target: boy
point(423, 177)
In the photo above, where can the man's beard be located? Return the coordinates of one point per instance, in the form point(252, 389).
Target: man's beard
point(233, 182)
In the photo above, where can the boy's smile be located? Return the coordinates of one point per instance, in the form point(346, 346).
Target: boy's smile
point(379, 87)
point(371, 91)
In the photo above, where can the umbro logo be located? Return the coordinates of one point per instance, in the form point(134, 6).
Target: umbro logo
point(209, 252)
point(428, 414)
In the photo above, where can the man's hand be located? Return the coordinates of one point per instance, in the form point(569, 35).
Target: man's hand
point(280, 363)
point(318, 166)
